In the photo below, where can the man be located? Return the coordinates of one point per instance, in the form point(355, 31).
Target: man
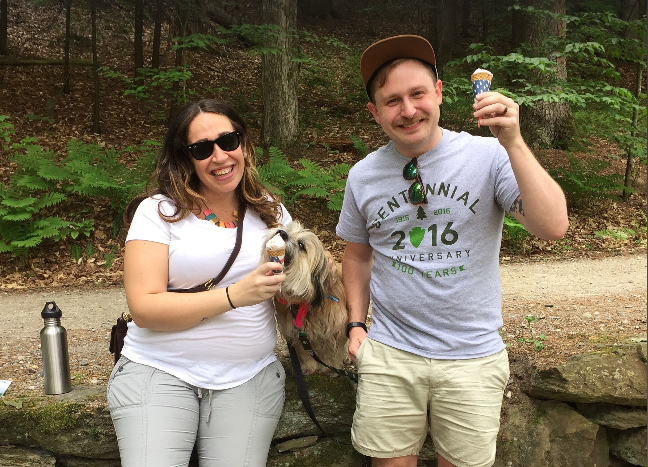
point(422, 218)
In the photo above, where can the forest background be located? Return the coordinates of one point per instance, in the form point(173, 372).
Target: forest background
point(87, 86)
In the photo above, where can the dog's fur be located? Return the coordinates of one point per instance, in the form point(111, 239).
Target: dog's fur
point(311, 278)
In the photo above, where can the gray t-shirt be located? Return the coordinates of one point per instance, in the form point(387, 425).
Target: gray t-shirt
point(435, 284)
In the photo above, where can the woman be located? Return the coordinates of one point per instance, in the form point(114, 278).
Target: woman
point(200, 367)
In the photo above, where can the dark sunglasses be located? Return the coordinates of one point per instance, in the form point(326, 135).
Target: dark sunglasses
point(416, 192)
point(203, 149)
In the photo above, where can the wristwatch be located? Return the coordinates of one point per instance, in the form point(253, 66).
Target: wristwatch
point(354, 325)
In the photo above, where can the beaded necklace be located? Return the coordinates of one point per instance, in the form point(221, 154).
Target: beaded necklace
point(211, 217)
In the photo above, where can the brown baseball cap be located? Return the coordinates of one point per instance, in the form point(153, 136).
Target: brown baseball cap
point(383, 51)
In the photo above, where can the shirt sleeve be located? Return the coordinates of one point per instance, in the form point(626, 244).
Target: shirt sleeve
point(286, 218)
point(147, 223)
point(352, 224)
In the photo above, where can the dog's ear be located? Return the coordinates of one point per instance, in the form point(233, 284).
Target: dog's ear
point(321, 277)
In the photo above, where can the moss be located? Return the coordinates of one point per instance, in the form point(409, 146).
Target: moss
point(538, 415)
point(53, 418)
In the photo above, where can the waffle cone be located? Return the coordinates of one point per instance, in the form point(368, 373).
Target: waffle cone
point(475, 76)
point(276, 252)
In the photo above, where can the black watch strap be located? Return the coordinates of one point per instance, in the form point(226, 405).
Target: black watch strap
point(355, 324)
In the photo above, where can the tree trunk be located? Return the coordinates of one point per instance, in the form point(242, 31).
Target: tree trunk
point(465, 18)
point(181, 22)
point(219, 13)
point(320, 9)
point(548, 123)
point(3, 27)
point(66, 58)
point(96, 128)
point(635, 119)
point(441, 31)
point(485, 12)
point(157, 33)
point(139, 33)
point(280, 75)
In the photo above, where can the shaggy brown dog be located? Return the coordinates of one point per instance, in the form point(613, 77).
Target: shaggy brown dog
point(312, 279)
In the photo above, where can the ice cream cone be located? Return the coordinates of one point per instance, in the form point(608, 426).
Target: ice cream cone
point(276, 249)
point(481, 75)
point(481, 82)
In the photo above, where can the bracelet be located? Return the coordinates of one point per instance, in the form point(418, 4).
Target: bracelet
point(355, 324)
point(228, 297)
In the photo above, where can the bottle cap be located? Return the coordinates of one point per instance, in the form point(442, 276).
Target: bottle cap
point(51, 311)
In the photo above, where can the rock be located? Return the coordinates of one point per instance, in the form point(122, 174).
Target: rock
point(333, 402)
point(615, 375)
point(76, 424)
point(19, 457)
point(68, 461)
point(642, 352)
point(629, 445)
point(616, 462)
point(614, 416)
point(550, 434)
point(296, 443)
point(325, 453)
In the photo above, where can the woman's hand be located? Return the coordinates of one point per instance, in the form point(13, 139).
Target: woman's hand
point(261, 284)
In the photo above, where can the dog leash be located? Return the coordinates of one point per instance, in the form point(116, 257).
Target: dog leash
point(299, 312)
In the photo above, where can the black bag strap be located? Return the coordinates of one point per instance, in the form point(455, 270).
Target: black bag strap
point(211, 283)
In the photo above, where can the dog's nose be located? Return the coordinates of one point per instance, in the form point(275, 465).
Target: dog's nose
point(283, 234)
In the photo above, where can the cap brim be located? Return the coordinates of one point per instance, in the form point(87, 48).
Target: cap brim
point(381, 52)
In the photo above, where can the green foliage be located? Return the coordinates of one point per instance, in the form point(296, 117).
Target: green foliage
point(359, 145)
point(594, 44)
point(352, 84)
point(537, 341)
point(514, 233)
point(199, 41)
point(311, 181)
point(36, 203)
point(585, 179)
point(154, 86)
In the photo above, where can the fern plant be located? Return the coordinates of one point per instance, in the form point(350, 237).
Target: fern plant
point(514, 233)
point(312, 180)
point(34, 204)
point(584, 179)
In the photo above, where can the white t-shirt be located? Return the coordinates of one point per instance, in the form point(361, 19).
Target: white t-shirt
point(226, 350)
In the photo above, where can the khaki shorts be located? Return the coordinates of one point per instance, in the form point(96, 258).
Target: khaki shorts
point(396, 388)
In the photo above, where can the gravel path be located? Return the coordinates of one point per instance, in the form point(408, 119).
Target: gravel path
point(539, 281)
point(577, 278)
point(576, 305)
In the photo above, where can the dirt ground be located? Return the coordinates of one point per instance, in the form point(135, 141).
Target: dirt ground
point(551, 310)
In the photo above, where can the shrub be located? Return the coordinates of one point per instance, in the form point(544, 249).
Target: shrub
point(311, 180)
point(44, 178)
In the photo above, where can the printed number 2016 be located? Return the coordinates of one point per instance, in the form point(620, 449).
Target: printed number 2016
point(448, 236)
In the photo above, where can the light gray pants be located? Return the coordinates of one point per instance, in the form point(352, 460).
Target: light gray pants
point(158, 418)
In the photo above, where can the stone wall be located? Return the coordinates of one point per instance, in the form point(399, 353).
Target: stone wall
point(589, 412)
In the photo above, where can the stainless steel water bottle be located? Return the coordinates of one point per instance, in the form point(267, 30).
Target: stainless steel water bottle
point(56, 363)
